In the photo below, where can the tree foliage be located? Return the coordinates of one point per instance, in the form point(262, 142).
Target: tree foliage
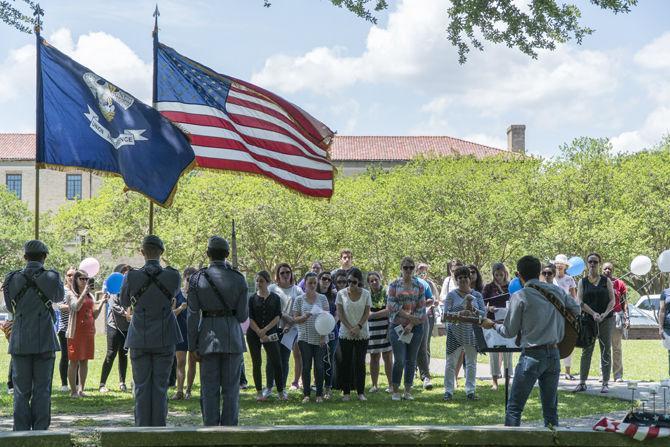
point(434, 209)
point(15, 227)
point(540, 26)
point(16, 18)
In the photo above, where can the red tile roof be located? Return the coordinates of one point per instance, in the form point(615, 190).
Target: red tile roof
point(17, 146)
point(379, 148)
point(21, 146)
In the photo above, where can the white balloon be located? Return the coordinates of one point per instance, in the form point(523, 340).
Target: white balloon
point(324, 323)
point(640, 265)
point(90, 265)
point(664, 261)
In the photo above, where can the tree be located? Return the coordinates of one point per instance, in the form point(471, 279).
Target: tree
point(15, 227)
point(13, 16)
point(544, 24)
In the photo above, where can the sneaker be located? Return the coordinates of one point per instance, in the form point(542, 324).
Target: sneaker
point(396, 396)
point(373, 389)
point(244, 386)
point(579, 388)
point(426, 384)
point(123, 387)
point(179, 395)
point(605, 389)
point(11, 391)
point(103, 389)
point(407, 396)
point(305, 400)
point(389, 390)
point(284, 395)
point(267, 392)
point(187, 395)
point(64, 389)
point(319, 400)
point(294, 386)
point(260, 397)
point(346, 398)
point(471, 396)
point(448, 396)
point(618, 379)
point(569, 377)
point(362, 397)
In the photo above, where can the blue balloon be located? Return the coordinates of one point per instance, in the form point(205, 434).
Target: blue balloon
point(577, 266)
point(114, 282)
point(514, 286)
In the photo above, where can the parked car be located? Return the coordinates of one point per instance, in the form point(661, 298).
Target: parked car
point(643, 314)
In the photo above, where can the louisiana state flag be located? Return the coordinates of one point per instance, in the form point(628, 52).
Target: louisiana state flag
point(86, 122)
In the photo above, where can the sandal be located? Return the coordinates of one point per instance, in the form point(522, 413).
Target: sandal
point(579, 388)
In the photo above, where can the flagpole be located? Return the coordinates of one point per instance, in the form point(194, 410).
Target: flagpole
point(39, 118)
point(233, 243)
point(153, 99)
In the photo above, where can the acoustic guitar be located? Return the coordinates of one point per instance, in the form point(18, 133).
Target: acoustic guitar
point(571, 333)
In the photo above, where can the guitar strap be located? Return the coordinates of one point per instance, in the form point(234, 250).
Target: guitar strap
point(570, 318)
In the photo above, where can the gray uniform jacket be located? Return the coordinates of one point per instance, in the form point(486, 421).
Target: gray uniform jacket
point(153, 324)
point(33, 331)
point(211, 335)
point(535, 318)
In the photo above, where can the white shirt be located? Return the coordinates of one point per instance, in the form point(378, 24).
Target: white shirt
point(448, 285)
point(566, 283)
point(287, 297)
point(354, 310)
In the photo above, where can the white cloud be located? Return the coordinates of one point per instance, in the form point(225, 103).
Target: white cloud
point(655, 126)
point(400, 51)
point(17, 74)
point(109, 57)
point(655, 54)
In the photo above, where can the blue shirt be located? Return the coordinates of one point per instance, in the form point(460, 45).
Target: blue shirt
point(428, 293)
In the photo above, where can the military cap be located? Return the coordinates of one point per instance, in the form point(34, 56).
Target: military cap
point(35, 247)
point(153, 241)
point(217, 243)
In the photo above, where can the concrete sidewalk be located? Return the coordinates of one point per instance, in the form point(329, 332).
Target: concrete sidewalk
point(617, 390)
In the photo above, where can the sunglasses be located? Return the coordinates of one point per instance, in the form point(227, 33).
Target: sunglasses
point(284, 273)
point(82, 278)
point(326, 279)
point(548, 273)
point(352, 282)
point(593, 261)
point(341, 281)
point(408, 267)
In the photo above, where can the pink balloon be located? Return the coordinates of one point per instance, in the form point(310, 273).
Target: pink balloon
point(90, 266)
point(245, 325)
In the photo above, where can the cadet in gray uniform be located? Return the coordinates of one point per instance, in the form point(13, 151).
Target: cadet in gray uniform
point(153, 332)
point(29, 295)
point(217, 304)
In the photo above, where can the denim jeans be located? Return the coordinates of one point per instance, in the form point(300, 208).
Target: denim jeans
point(404, 355)
point(311, 354)
point(329, 362)
point(423, 357)
point(543, 365)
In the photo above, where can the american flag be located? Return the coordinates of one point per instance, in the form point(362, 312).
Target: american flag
point(237, 126)
point(640, 433)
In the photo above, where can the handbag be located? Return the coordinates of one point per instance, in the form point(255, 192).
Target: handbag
point(587, 331)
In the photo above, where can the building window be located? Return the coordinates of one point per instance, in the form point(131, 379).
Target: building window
point(14, 184)
point(73, 187)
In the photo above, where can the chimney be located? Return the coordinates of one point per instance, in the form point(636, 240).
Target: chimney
point(516, 138)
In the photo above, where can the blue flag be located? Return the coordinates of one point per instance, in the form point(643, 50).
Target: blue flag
point(86, 122)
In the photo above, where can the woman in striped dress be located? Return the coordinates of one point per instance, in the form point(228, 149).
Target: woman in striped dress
point(378, 323)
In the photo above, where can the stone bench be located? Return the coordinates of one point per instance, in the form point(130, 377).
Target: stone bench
point(35, 439)
point(365, 436)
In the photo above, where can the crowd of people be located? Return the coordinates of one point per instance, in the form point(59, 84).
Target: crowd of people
point(167, 325)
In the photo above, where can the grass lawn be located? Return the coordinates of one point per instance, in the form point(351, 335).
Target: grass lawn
point(642, 359)
point(427, 408)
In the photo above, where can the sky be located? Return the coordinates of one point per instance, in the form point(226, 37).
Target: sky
point(399, 77)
